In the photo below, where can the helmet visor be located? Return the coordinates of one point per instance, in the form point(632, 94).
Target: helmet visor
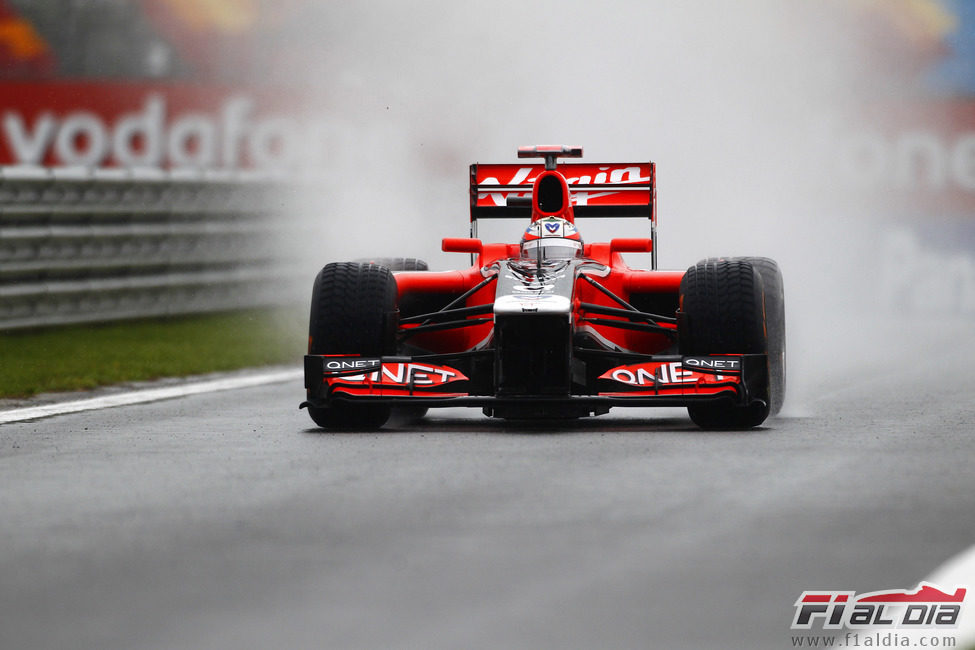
point(552, 248)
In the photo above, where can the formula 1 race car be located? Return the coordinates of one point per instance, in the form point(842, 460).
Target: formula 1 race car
point(550, 327)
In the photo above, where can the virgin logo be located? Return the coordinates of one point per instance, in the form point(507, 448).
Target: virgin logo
point(230, 138)
point(603, 176)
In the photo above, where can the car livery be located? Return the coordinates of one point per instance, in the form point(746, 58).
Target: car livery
point(553, 326)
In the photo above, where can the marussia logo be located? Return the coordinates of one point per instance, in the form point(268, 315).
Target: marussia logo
point(925, 607)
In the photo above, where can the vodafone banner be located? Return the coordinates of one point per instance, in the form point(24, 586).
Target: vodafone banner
point(164, 126)
point(913, 157)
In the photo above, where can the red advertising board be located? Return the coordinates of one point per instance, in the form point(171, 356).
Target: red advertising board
point(166, 126)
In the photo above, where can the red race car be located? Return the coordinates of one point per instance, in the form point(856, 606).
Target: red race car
point(551, 327)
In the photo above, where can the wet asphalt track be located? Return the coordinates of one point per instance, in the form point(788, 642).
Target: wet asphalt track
point(226, 521)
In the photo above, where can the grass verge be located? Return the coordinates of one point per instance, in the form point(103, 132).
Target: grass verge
point(87, 356)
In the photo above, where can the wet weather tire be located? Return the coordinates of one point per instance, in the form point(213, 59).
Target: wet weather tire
point(353, 311)
point(722, 305)
point(397, 263)
point(403, 413)
point(775, 324)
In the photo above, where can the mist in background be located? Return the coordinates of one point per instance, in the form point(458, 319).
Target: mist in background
point(726, 97)
point(836, 136)
point(744, 106)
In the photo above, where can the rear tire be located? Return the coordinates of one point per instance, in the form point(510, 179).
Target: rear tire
point(397, 263)
point(721, 301)
point(353, 311)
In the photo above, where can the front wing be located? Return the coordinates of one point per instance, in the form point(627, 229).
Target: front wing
point(659, 380)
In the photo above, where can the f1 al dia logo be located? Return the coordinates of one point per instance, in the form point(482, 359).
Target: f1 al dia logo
point(925, 607)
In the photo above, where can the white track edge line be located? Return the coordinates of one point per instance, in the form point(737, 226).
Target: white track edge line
point(145, 395)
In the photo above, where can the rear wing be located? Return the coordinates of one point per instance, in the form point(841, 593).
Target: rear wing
point(503, 191)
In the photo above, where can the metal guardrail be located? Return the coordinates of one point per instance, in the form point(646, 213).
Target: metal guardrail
point(97, 245)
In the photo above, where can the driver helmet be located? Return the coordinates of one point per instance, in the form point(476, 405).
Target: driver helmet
point(551, 238)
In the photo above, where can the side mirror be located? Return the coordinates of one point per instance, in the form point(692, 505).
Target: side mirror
point(462, 245)
point(631, 245)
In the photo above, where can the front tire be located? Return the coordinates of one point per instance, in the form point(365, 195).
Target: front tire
point(722, 305)
point(353, 311)
point(775, 325)
point(350, 417)
point(403, 413)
